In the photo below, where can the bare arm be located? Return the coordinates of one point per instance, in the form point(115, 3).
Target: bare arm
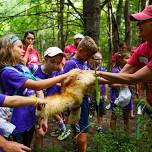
point(118, 85)
point(18, 101)
point(47, 83)
point(27, 53)
point(143, 74)
point(10, 146)
point(129, 69)
point(43, 84)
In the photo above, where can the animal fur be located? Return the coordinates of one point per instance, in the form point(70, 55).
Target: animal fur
point(75, 87)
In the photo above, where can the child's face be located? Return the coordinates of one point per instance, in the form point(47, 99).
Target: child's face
point(18, 50)
point(53, 63)
point(97, 58)
point(125, 59)
point(29, 40)
point(84, 54)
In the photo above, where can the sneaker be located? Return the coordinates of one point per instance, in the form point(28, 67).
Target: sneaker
point(64, 134)
point(108, 107)
point(139, 110)
point(55, 133)
point(100, 130)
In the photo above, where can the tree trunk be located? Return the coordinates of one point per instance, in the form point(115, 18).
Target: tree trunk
point(115, 33)
point(119, 12)
point(116, 26)
point(127, 25)
point(91, 16)
point(110, 34)
point(60, 25)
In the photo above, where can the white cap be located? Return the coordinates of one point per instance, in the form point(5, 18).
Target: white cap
point(53, 51)
point(78, 36)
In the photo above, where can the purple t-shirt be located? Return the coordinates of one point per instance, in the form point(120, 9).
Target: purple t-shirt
point(2, 98)
point(114, 93)
point(11, 82)
point(73, 64)
point(37, 71)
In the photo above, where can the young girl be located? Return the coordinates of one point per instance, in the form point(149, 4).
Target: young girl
point(121, 60)
point(13, 82)
point(31, 55)
point(95, 64)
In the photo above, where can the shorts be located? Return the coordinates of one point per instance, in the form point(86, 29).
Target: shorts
point(83, 125)
point(24, 137)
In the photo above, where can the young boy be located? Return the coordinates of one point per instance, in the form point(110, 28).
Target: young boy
point(50, 68)
point(86, 49)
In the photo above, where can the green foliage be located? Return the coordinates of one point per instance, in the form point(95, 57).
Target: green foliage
point(42, 17)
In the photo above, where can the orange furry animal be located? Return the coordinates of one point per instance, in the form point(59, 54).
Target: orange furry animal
point(74, 88)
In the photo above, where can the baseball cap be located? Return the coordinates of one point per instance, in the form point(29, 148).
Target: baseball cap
point(78, 36)
point(143, 15)
point(53, 51)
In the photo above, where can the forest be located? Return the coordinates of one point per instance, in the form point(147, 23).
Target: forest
point(55, 22)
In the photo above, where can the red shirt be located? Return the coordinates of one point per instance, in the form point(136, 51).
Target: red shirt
point(70, 49)
point(140, 58)
point(33, 57)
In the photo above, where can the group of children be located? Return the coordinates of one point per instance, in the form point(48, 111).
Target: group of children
point(44, 80)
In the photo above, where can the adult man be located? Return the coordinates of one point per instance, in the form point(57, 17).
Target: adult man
point(71, 49)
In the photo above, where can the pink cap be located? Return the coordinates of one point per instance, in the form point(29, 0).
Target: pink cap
point(144, 15)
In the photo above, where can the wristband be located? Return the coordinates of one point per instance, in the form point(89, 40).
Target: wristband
point(35, 99)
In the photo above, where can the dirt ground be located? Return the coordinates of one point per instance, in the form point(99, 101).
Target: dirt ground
point(51, 144)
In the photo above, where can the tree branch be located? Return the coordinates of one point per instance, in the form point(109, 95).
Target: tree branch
point(71, 4)
point(104, 3)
